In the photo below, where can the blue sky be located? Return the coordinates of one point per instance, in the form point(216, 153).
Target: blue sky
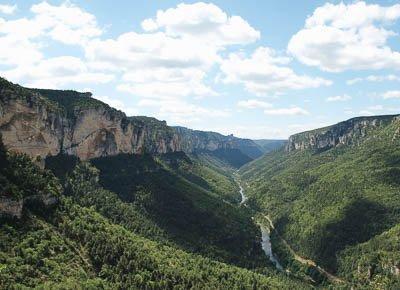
point(257, 69)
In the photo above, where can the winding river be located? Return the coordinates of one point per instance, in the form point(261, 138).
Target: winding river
point(265, 236)
point(267, 247)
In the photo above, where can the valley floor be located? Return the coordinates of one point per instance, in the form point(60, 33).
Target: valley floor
point(266, 227)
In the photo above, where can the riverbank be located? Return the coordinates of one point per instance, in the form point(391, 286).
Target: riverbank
point(266, 226)
point(265, 234)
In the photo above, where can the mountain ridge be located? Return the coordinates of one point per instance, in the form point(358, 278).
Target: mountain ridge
point(342, 133)
point(42, 122)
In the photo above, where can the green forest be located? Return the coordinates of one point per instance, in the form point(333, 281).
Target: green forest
point(339, 207)
point(131, 236)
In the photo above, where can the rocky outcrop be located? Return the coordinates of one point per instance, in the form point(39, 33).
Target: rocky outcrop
point(104, 131)
point(36, 124)
point(344, 133)
point(10, 207)
point(28, 124)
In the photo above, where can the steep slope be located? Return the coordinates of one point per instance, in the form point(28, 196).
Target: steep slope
point(49, 122)
point(184, 204)
point(91, 239)
point(344, 133)
point(336, 195)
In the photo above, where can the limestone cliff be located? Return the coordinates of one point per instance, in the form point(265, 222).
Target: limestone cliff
point(43, 123)
point(48, 122)
point(344, 133)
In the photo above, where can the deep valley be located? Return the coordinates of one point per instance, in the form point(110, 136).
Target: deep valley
point(93, 199)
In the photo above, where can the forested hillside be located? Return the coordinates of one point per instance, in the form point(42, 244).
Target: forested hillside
point(339, 206)
point(93, 238)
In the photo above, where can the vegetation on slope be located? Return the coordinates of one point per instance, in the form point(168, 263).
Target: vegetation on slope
point(180, 202)
point(87, 243)
point(14, 169)
point(331, 206)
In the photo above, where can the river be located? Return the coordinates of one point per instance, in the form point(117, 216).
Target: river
point(244, 198)
point(265, 237)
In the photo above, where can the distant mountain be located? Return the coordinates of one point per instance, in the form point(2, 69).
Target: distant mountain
point(268, 145)
point(207, 140)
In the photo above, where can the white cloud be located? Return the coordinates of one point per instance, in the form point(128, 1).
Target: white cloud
point(202, 20)
point(167, 90)
point(391, 95)
point(173, 57)
point(14, 51)
point(254, 104)
point(293, 111)
point(55, 73)
point(66, 23)
point(343, 37)
point(264, 72)
point(183, 113)
point(339, 98)
point(22, 42)
point(379, 109)
point(117, 104)
point(374, 78)
point(8, 9)
point(134, 51)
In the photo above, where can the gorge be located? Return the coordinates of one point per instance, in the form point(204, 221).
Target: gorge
point(130, 201)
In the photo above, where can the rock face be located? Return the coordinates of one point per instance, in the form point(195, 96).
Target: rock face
point(28, 124)
point(344, 133)
point(35, 124)
point(13, 208)
point(10, 207)
point(45, 123)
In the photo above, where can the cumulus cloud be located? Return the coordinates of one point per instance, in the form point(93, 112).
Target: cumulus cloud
point(343, 37)
point(155, 64)
point(117, 104)
point(172, 58)
point(182, 112)
point(391, 95)
point(253, 104)
point(340, 98)
point(167, 90)
point(66, 23)
point(293, 111)
point(8, 9)
point(374, 78)
point(55, 73)
point(202, 20)
point(21, 46)
point(264, 72)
